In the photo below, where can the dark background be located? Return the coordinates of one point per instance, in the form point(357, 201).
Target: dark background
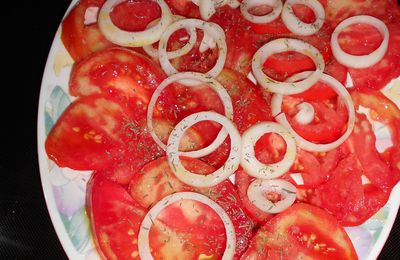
point(26, 231)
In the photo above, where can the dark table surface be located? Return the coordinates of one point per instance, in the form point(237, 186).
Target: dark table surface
point(26, 231)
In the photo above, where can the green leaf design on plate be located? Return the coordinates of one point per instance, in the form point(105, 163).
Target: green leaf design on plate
point(55, 106)
point(78, 229)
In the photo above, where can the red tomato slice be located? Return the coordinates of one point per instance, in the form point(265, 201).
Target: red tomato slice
point(380, 74)
point(301, 232)
point(329, 121)
point(241, 42)
point(184, 7)
point(79, 39)
point(156, 180)
point(353, 202)
point(134, 15)
point(89, 134)
point(198, 234)
point(119, 72)
point(315, 168)
point(384, 175)
point(339, 10)
point(115, 218)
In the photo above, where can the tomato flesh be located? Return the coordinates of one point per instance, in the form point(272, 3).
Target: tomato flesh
point(302, 231)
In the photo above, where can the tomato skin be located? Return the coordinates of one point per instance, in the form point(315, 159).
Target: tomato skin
point(298, 233)
point(388, 68)
point(117, 71)
point(89, 134)
point(384, 174)
point(79, 39)
point(156, 180)
point(115, 218)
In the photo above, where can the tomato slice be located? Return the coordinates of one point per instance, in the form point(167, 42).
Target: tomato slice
point(119, 72)
point(184, 7)
point(386, 10)
point(156, 180)
point(79, 39)
point(388, 68)
point(241, 42)
point(301, 232)
point(89, 134)
point(329, 121)
point(115, 218)
point(134, 15)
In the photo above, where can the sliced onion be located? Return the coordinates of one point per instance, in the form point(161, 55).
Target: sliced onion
point(153, 52)
point(207, 43)
point(295, 25)
point(207, 9)
point(306, 113)
point(148, 221)
point(216, 86)
point(267, 18)
point(221, 174)
point(212, 29)
point(280, 117)
point(258, 169)
point(283, 45)
point(132, 39)
point(258, 188)
point(360, 61)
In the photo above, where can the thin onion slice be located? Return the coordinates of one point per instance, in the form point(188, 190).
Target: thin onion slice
point(295, 25)
point(212, 29)
point(306, 113)
point(258, 169)
point(360, 61)
point(132, 39)
point(216, 86)
point(283, 45)
point(276, 108)
point(148, 221)
point(258, 188)
point(221, 174)
point(153, 52)
point(261, 19)
point(207, 9)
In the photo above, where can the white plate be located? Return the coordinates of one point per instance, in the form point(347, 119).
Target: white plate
point(64, 189)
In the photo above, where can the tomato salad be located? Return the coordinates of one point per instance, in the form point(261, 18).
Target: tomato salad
point(230, 129)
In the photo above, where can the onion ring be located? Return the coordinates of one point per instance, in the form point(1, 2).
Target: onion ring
point(153, 52)
point(259, 187)
point(144, 232)
point(295, 25)
point(282, 45)
point(216, 86)
point(276, 108)
point(212, 29)
point(261, 19)
point(132, 39)
point(306, 113)
point(254, 167)
point(221, 174)
point(360, 61)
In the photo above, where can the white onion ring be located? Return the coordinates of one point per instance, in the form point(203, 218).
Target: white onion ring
point(282, 45)
point(153, 52)
point(295, 25)
point(144, 232)
point(249, 161)
point(276, 108)
point(212, 29)
point(259, 187)
point(261, 19)
point(221, 174)
point(306, 113)
point(216, 86)
point(207, 9)
point(360, 61)
point(132, 39)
